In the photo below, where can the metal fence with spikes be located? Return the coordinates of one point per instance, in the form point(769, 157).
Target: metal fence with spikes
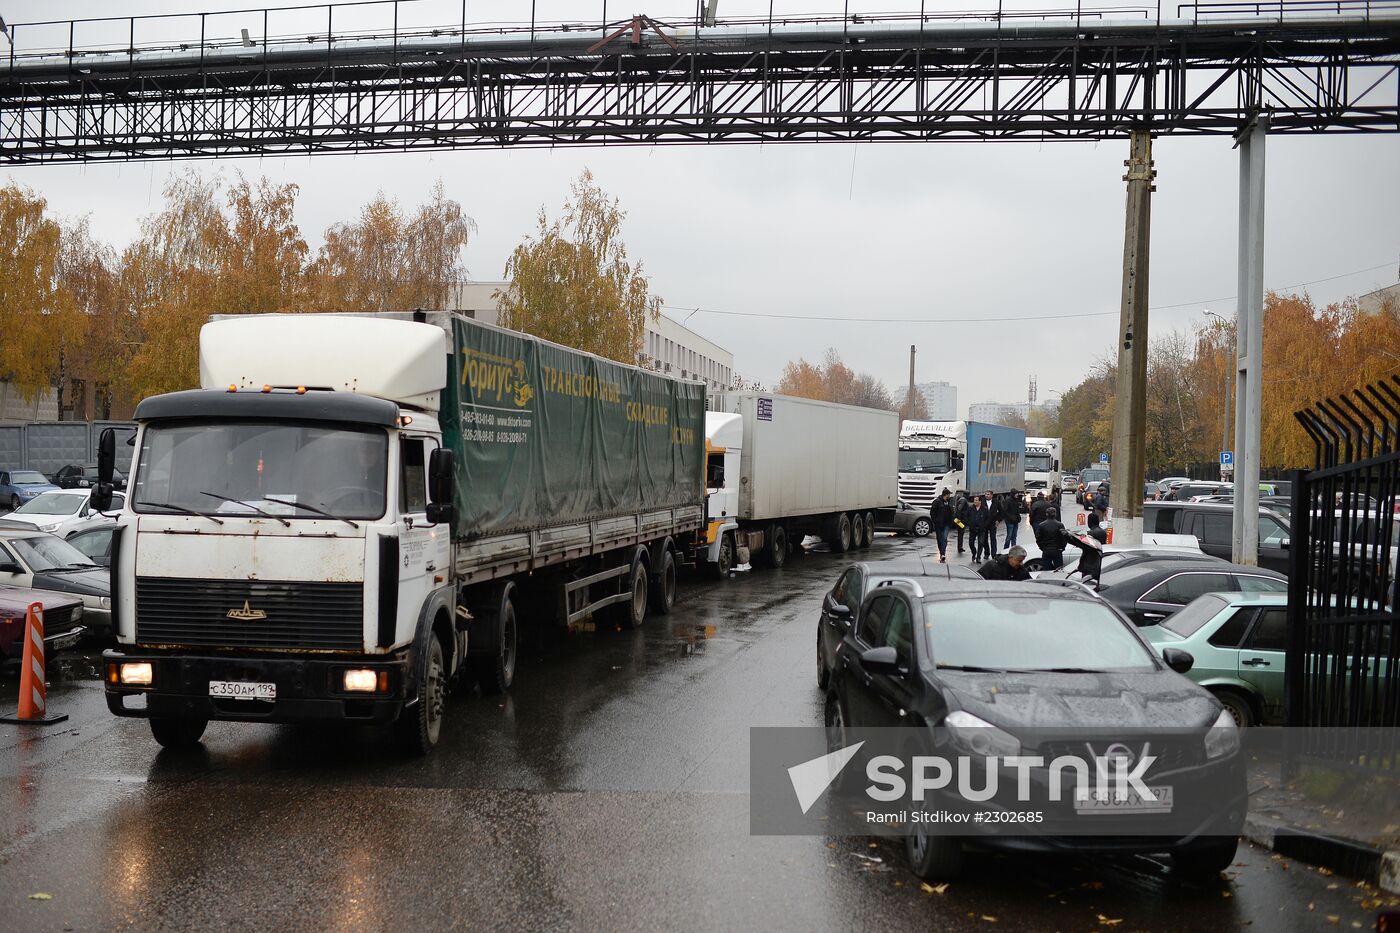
point(1343, 658)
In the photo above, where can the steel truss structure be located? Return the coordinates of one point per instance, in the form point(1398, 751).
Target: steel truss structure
point(1332, 67)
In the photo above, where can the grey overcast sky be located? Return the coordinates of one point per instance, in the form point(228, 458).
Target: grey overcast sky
point(969, 231)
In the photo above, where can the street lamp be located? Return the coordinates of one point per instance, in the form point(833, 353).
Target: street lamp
point(1225, 427)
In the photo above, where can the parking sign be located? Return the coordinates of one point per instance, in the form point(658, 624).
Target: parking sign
point(1227, 458)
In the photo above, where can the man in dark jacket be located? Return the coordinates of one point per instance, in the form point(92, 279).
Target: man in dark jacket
point(1052, 538)
point(942, 514)
point(1039, 507)
point(1006, 566)
point(980, 524)
point(960, 515)
point(1011, 509)
point(1091, 560)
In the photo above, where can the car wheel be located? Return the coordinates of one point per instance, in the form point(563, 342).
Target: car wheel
point(1238, 706)
point(823, 675)
point(418, 726)
point(838, 734)
point(922, 527)
point(1033, 564)
point(1208, 860)
point(933, 857)
point(178, 733)
point(14, 503)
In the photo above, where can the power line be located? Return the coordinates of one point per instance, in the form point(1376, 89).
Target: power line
point(1000, 320)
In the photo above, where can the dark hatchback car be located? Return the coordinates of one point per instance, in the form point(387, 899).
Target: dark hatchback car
point(1148, 591)
point(83, 476)
point(62, 617)
point(841, 606)
point(998, 667)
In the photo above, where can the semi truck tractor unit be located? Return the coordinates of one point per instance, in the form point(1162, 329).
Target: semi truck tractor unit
point(1043, 465)
point(355, 513)
point(953, 455)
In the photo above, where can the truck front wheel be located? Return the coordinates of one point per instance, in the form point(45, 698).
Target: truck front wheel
point(419, 725)
point(178, 733)
point(724, 561)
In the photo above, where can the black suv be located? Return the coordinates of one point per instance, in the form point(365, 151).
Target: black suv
point(1213, 525)
point(83, 476)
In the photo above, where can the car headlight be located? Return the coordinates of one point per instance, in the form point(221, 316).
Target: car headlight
point(52, 527)
point(1223, 738)
point(979, 736)
point(105, 602)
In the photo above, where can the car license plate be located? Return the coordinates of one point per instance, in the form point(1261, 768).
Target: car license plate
point(242, 690)
point(1094, 802)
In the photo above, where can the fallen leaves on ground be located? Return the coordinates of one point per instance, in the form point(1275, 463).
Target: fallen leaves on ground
point(41, 896)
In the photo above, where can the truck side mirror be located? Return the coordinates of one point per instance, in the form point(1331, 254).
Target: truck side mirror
point(957, 461)
point(441, 473)
point(101, 496)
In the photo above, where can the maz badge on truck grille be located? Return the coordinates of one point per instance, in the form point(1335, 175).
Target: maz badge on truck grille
point(247, 613)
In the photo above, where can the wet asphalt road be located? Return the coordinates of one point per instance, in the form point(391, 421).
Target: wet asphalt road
point(607, 792)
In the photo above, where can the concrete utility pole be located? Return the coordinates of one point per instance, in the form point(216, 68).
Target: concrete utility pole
point(909, 399)
point(1130, 414)
point(1249, 342)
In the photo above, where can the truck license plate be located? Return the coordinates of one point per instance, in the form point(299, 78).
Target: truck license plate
point(1092, 802)
point(242, 690)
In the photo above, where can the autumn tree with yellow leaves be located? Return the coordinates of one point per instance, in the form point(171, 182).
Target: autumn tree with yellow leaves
point(573, 283)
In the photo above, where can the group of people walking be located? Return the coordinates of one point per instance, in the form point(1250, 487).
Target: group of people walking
point(974, 519)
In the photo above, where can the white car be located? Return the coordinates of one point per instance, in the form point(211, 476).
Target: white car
point(61, 509)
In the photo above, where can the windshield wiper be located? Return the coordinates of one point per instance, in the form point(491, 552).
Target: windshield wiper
point(1065, 670)
point(215, 495)
point(180, 508)
point(69, 567)
point(971, 668)
point(311, 508)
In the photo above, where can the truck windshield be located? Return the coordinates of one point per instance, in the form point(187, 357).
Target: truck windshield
point(923, 461)
point(340, 470)
point(1037, 463)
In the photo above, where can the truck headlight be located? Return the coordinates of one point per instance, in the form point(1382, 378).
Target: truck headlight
point(135, 673)
point(364, 680)
point(1223, 738)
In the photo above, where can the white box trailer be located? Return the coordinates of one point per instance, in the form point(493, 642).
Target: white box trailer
point(805, 467)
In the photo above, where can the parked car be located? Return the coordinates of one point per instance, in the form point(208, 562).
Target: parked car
point(60, 510)
point(1213, 525)
point(1148, 591)
point(1069, 481)
point(1239, 642)
point(905, 519)
point(35, 560)
point(19, 486)
point(1185, 491)
point(1118, 556)
point(1164, 485)
point(841, 607)
point(1283, 505)
point(84, 476)
point(94, 540)
point(62, 620)
point(1002, 664)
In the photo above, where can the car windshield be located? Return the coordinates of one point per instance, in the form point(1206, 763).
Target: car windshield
point(240, 467)
point(1031, 633)
point(923, 461)
point(26, 477)
point(49, 553)
point(52, 503)
point(1197, 613)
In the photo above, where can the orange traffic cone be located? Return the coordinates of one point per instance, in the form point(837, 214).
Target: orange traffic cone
point(32, 696)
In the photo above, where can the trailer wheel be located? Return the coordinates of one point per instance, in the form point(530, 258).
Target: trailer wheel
point(418, 727)
point(857, 531)
point(841, 533)
point(869, 530)
point(496, 671)
point(663, 585)
point(635, 610)
point(725, 561)
point(777, 546)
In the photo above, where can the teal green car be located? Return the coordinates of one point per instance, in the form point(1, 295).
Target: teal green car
point(1238, 641)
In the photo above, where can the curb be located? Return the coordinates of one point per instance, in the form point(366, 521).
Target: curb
point(1344, 856)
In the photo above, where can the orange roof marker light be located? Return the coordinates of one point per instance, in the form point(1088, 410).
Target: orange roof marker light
point(267, 388)
point(301, 390)
point(232, 387)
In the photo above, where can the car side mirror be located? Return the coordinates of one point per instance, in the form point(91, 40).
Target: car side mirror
point(101, 496)
point(1285, 543)
point(10, 566)
point(1178, 660)
point(840, 612)
point(883, 660)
